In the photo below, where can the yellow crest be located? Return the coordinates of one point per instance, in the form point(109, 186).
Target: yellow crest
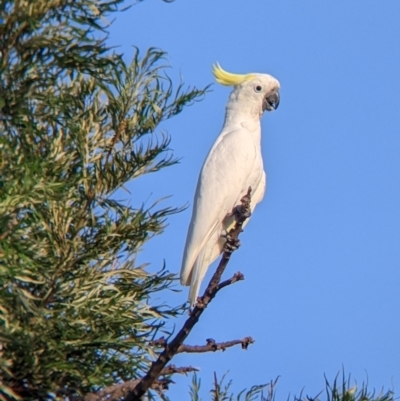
point(227, 78)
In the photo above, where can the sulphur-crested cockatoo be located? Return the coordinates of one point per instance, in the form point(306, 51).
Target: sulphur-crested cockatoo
point(233, 164)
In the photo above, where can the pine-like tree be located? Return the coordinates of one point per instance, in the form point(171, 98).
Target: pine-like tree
point(76, 123)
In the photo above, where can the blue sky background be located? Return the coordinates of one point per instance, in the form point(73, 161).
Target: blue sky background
point(321, 255)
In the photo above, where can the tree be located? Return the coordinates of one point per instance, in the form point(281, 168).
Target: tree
point(77, 122)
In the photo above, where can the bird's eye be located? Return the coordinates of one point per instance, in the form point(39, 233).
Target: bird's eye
point(258, 88)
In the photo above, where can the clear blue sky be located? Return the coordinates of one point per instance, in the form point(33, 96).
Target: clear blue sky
point(321, 255)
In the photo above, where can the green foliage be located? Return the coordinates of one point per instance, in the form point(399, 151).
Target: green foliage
point(76, 124)
point(221, 391)
point(337, 391)
point(343, 390)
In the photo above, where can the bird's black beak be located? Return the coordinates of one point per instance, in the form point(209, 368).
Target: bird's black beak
point(271, 101)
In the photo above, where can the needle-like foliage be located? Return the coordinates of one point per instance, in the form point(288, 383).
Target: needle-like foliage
point(344, 390)
point(76, 124)
point(338, 390)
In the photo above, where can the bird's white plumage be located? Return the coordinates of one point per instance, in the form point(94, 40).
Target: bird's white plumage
point(233, 164)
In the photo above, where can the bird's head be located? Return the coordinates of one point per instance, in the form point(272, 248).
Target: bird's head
point(259, 91)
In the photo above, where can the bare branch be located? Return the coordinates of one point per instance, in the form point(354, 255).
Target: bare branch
point(212, 346)
point(117, 391)
point(236, 277)
point(172, 369)
point(242, 212)
point(114, 392)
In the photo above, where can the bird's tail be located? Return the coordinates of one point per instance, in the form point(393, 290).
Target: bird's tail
point(198, 272)
point(205, 258)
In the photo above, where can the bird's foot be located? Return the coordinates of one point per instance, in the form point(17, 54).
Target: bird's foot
point(241, 212)
point(231, 244)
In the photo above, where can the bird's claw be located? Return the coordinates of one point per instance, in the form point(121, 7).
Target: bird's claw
point(241, 213)
point(231, 244)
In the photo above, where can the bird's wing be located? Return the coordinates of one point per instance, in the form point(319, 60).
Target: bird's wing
point(221, 184)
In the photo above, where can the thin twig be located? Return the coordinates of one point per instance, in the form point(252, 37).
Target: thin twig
point(216, 387)
point(172, 369)
point(213, 346)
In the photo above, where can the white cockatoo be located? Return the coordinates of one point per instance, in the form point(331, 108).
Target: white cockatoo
point(233, 164)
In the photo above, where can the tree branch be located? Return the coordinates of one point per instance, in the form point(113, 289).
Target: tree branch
point(242, 212)
point(172, 369)
point(117, 391)
point(212, 346)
